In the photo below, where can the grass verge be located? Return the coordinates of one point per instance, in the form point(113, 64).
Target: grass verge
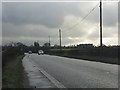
point(13, 73)
point(91, 58)
point(96, 59)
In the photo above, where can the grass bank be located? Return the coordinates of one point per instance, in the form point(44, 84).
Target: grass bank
point(13, 73)
point(105, 55)
point(95, 59)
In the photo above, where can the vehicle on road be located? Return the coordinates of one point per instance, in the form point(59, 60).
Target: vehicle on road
point(40, 52)
point(30, 52)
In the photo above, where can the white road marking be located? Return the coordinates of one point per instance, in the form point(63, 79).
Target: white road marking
point(51, 78)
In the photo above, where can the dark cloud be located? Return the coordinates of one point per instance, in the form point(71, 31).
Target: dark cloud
point(48, 14)
point(37, 20)
point(37, 31)
point(52, 14)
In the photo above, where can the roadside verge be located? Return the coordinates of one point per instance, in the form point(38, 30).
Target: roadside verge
point(38, 78)
point(12, 73)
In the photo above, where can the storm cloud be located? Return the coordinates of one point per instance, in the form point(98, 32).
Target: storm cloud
point(49, 14)
point(32, 21)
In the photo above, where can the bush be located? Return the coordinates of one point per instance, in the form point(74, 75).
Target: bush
point(9, 52)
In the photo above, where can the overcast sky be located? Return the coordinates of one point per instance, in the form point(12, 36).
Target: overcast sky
point(36, 21)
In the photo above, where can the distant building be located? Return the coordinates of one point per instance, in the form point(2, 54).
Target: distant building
point(85, 46)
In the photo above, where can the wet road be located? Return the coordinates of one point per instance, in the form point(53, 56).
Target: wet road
point(73, 73)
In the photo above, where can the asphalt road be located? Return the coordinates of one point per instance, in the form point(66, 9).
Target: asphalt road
point(74, 73)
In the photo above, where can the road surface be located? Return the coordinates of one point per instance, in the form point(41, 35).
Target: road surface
point(74, 73)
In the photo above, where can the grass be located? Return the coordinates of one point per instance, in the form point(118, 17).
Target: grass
point(13, 73)
point(90, 58)
point(96, 59)
point(59, 49)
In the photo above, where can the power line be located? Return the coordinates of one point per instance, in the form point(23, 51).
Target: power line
point(84, 17)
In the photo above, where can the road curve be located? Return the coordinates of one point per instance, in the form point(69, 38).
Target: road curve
point(74, 73)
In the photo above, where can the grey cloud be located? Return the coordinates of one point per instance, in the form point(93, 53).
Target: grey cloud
point(110, 14)
point(10, 30)
point(38, 31)
point(48, 14)
point(39, 20)
point(107, 33)
point(52, 14)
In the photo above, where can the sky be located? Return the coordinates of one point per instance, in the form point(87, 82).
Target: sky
point(27, 22)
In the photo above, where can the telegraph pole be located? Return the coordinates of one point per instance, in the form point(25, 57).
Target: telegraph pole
point(60, 37)
point(101, 23)
point(49, 41)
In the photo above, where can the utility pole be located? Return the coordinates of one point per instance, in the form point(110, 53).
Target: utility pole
point(49, 41)
point(101, 23)
point(60, 37)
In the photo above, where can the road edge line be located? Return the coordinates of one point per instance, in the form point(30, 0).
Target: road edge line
point(51, 78)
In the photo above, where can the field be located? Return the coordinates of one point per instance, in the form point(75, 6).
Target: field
point(104, 54)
